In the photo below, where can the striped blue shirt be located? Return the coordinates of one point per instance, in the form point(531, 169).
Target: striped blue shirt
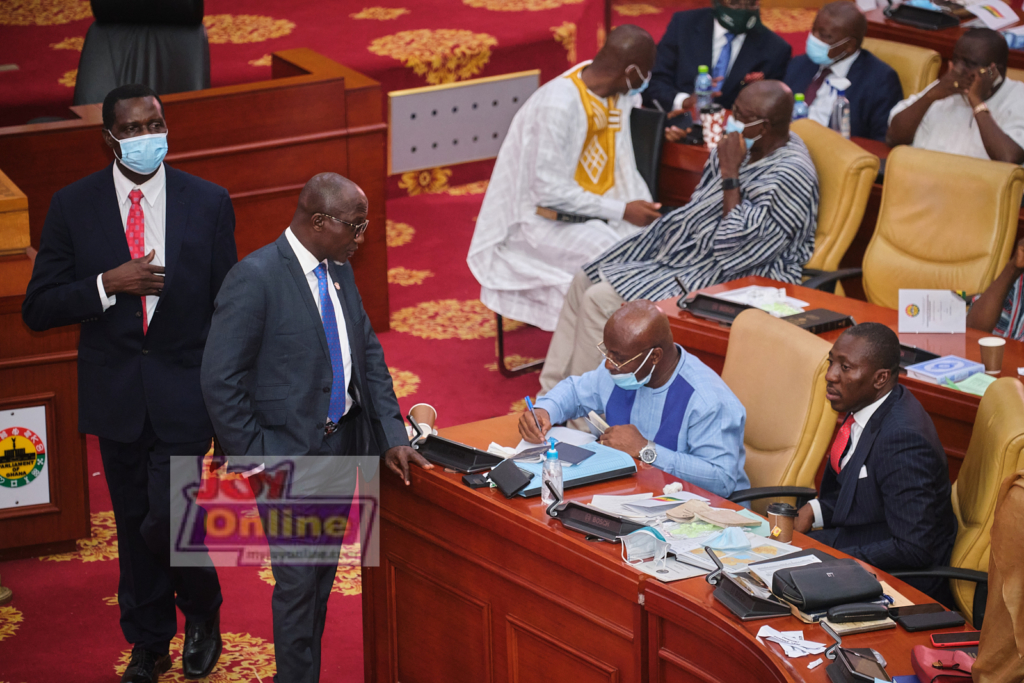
point(769, 233)
point(707, 449)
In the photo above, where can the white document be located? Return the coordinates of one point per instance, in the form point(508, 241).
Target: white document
point(774, 300)
point(669, 570)
point(560, 435)
point(662, 504)
point(615, 505)
point(766, 571)
point(792, 642)
point(1016, 30)
point(866, 5)
point(932, 310)
point(995, 13)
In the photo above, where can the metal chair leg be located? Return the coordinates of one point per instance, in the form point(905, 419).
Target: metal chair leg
point(502, 366)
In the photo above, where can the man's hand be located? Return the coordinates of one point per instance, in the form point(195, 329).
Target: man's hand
point(716, 86)
point(528, 427)
point(626, 438)
point(675, 134)
point(641, 213)
point(137, 277)
point(732, 150)
point(397, 460)
point(981, 87)
point(951, 83)
point(804, 519)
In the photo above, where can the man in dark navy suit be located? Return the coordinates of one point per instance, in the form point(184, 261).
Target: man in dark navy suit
point(834, 52)
point(729, 39)
point(136, 253)
point(885, 496)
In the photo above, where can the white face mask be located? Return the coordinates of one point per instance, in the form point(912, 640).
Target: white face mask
point(642, 545)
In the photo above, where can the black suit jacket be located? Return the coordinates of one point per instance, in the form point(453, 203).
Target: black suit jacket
point(267, 369)
point(898, 515)
point(686, 45)
point(874, 90)
point(124, 375)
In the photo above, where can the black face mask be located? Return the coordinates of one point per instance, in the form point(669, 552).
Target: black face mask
point(737, 21)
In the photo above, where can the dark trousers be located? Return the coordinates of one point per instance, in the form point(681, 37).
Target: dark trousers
point(138, 476)
point(301, 591)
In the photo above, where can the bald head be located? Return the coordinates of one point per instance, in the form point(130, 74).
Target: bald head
point(637, 326)
point(327, 193)
point(847, 20)
point(983, 46)
point(328, 217)
point(769, 100)
point(626, 45)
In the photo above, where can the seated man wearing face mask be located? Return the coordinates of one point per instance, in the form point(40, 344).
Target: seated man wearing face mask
point(663, 405)
point(972, 109)
point(834, 54)
point(754, 212)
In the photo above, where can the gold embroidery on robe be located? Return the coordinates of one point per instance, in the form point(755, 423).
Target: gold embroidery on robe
point(595, 171)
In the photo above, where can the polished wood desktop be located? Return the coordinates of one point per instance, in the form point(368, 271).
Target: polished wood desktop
point(953, 412)
point(475, 587)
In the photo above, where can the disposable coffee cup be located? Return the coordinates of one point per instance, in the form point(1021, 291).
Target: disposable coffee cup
point(781, 518)
point(992, 353)
point(424, 414)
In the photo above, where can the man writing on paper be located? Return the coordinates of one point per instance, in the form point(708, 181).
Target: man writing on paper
point(663, 405)
point(972, 109)
point(753, 213)
point(565, 186)
point(885, 496)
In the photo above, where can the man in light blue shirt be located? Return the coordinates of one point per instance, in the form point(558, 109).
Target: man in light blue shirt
point(663, 405)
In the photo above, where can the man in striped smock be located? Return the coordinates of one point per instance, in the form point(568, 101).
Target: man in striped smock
point(753, 213)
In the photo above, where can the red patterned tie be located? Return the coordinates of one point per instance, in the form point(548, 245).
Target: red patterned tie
point(135, 233)
point(812, 89)
point(841, 441)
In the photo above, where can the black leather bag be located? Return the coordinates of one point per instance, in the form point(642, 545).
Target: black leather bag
point(819, 586)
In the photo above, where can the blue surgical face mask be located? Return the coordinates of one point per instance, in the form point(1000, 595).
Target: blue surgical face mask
point(734, 126)
point(628, 381)
point(144, 153)
point(643, 81)
point(818, 49)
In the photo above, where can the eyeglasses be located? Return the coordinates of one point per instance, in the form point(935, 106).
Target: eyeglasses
point(618, 366)
point(357, 228)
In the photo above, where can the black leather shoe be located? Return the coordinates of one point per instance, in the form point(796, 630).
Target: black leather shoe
point(145, 666)
point(201, 650)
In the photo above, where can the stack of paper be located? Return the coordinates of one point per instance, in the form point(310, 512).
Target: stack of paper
point(792, 642)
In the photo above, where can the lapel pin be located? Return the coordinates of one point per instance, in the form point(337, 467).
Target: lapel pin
point(337, 286)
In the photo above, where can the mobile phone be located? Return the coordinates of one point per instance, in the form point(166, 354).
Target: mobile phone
point(906, 610)
point(958, 639)
point(864, 667)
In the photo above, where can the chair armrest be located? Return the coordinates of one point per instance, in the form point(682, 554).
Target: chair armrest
point(946, 573)
point(802, 494)
point(826, 281)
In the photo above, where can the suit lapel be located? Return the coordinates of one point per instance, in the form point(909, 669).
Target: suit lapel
point(292, 264)
point(704, 42)
point(108, 217)
point(851, 471)
point(176, 219)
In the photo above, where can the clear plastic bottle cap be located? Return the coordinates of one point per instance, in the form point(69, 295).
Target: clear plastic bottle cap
point(702, 69)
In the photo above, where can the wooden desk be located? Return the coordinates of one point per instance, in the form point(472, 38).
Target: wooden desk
point(473, 587)
point(879, 26)
point(953, 412)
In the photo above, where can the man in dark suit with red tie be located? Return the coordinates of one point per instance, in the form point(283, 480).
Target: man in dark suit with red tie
point(136, 254)
point(885, 496)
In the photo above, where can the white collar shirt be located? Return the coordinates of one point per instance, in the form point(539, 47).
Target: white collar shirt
point(154, 213)
point(821, 108)
point(309, 264)
point(718, 41)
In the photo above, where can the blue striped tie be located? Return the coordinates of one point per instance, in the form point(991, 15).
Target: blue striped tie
point(722, 65)
point(337, 407)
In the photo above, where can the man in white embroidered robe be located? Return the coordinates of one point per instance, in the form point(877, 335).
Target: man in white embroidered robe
point(568, 150)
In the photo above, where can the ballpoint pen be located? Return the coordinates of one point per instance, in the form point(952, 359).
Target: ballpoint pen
point(529, 404)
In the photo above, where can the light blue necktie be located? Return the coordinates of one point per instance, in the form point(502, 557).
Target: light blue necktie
point(722, 65)
point(337, 407)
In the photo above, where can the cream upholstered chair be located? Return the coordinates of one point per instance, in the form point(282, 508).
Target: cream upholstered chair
point(1015, 74)
point(945, 222)
point(846, 173)
point(916, 66)
point(996, 451)
point(789, 421)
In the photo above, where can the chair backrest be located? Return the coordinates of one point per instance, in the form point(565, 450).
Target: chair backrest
point(996, 451)
point(846, 173)
point(916, 66)
point(1015, 74)
point(945, 222)
point(789, 421)
point(647, 131)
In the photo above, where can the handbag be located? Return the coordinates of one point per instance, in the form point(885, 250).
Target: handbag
point(933, 665)
point(826, 584)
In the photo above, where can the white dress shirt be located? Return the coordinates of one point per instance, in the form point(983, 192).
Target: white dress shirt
point(821, 108)
point(949, 125)
point(718, 42)
point(860, 421)
point(309, 264)
point(154, 213)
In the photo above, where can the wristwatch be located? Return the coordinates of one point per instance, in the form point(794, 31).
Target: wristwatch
point(980, 108)
point(649, 453)
point(730, 184)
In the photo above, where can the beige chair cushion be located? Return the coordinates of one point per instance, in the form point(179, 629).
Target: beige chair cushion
point(1015, 74)
point(945, 222)
point(916, 66)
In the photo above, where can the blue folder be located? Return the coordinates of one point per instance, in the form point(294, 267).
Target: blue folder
point(606, 463)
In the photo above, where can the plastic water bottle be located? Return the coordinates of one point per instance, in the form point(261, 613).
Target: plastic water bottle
point(840, 119)
point(552, 472)
point(702, 88)
point(799, 107)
